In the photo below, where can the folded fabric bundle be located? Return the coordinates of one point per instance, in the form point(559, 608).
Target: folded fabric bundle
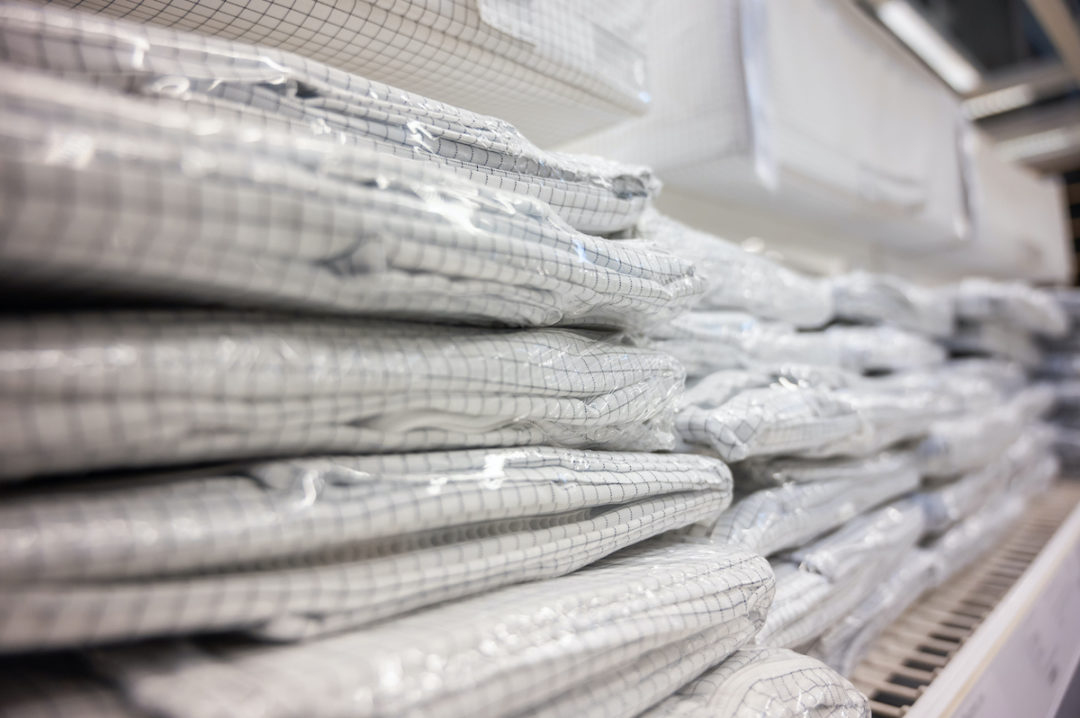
point(756, 682)
point(1015, 304)
point(177, 205)
point(844, 645)
point(848, 564)
point(499, 654)
point(1067, 446)
point(945, 505)
point(964, 543)
point(740, 280)
point(770, 420)
point(708, 341)
point(769, 473)
point(294, 548)
point(870, 297)
point(91, 391)
point(769, 520)
point(1060, 365)
point(742, 414)
point(561, 69)
point(996, 340)
point(267, 88)
point(956, 446)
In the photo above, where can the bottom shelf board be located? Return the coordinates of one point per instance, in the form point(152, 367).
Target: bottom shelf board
point(1000, 639)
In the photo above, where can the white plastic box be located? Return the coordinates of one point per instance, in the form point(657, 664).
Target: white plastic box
point(804, 110)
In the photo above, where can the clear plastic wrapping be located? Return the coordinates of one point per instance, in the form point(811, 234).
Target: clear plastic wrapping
point(769, 520)
point(709, 341)
point(740, 280)
point(830, 577)
point(265, 88)
point(997, 340)
point(499, 654)
point(559, 68)
point(769, 473)
point(961, 545)
point(94, 391)
point(111, 194)
point(326, 543)
point(843, 645)
point(1017, 305)
point(758, 682)
point(945, 505)
point(869, 297)
point(969, 442)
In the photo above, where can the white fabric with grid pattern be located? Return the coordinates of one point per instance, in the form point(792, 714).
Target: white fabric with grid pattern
point(769, 520)
point(829, 577)
point(1023, 308)
point(758, 682)
point(499, 654)
point(870, 297)
point(740, 280)
point(995, 339)
point(708, 341)
point(843, 645)
point(770, 473)
point(116, 389)
point(288, 549)
point(557, 69)
point(108, 193)
point(267, 88)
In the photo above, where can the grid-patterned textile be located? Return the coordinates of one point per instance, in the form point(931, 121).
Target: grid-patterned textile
point(290, 549)
point(843, 645)
point(848, 564)
point(961, 545)
point(498, 654)
point(1014, 304)
point(771, 420)
point(709, 341)
point(265, 88)
point(996, 339)
point(770, 473)
point(107, 193)
point(869, 297)
point(971, 441)
point(557, 69)
point(740, 280)
point(770, 520)
point(86, 391)
point(756, 682)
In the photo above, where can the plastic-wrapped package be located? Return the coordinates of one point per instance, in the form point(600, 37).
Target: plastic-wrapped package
point(499, 654)
point(1069, 301)
point(961, 545)
point(707, 341)
point(1018, 305)
point(558, 70)
point(849, 564)
point(847, 549)
point(770, 420)
point(93, 391)
point(843, 645)
point(869, 297)
point(325, 543)
point(102, 190)
point(1067, 446)
point(996, 339)
point(768, 473)
point(1006, 377)
point(769, 520)
point(740, 280)
point(758, 682)
point(1060, 365)
point(957, 446)
point(266, 88)
point(945, 505)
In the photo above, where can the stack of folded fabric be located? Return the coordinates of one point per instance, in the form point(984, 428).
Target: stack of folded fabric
point(1060, 367)
point(333, 399)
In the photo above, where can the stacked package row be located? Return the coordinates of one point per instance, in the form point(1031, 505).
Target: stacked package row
point(879, 432)
point(331, 399)
point(1060, 367)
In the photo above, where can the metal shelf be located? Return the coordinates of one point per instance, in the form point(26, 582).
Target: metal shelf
point(1001, 639)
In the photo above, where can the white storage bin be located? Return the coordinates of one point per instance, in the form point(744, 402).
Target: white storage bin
point(804, 110)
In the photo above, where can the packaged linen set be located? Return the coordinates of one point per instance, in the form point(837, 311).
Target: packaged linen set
point(331, 398)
